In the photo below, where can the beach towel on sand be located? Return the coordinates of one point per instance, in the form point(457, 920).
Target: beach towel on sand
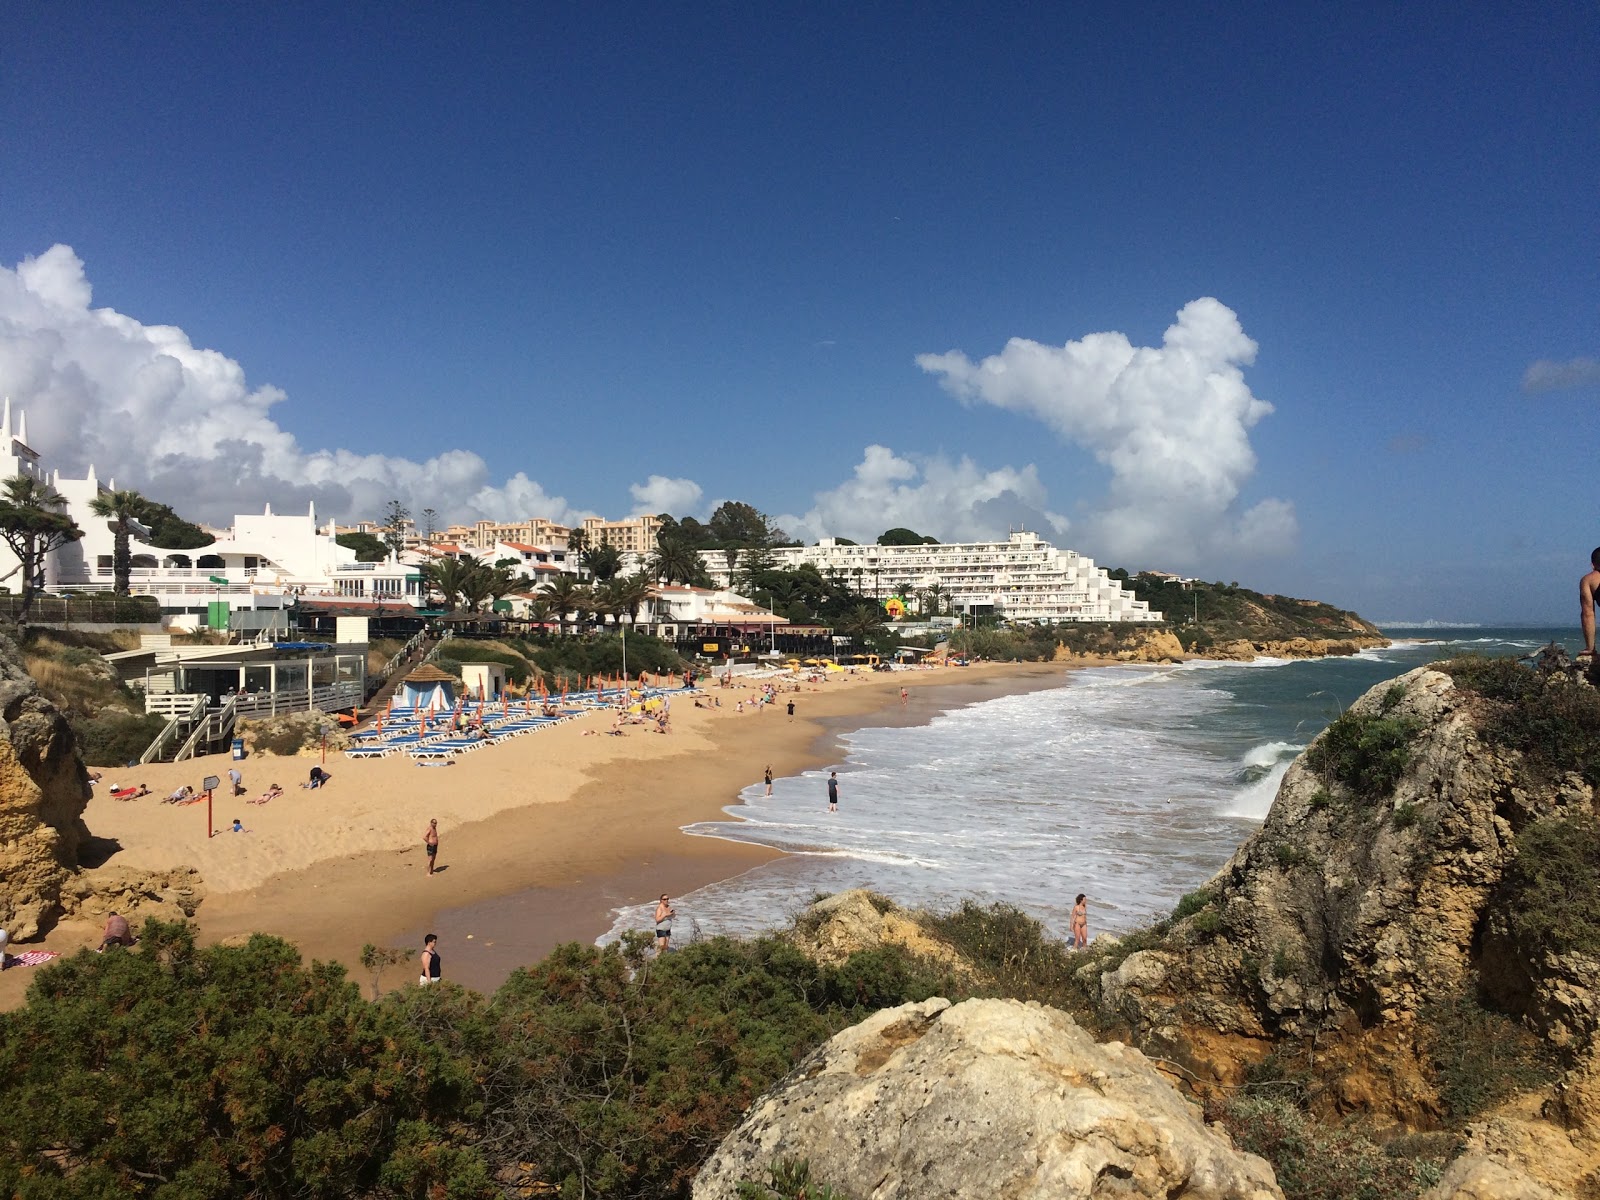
point(31, 958)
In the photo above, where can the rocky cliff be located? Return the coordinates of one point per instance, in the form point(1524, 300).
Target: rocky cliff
point(1396, 876)
point(984, 1098)
point(44, 789)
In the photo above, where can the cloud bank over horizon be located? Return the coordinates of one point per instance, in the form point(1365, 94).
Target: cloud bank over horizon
point(1171, 422)
point(952, 501)
point(142, 403)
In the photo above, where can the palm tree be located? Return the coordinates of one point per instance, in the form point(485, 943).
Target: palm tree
point(31, 527)
point(540, 611)
point(603, 561)
point(932, 599)
point(862, 623)
point(629, 594)
point(563, 596)
point(123, 508)
point(449, 577)
point(675, 561)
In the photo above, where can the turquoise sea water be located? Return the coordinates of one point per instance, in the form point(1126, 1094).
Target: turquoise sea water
point(1131, 784)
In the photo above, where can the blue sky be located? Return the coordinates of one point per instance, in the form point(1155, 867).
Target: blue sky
point(522, 259)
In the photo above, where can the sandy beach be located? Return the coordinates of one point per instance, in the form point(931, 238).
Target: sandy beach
point(541, 838)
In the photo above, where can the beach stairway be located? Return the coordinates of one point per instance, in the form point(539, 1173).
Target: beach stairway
point(194, 727)
point(415, 652)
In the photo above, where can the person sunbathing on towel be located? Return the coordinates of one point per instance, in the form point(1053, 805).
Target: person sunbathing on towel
point(180, 796)
point(272, 793)
point(129, 793)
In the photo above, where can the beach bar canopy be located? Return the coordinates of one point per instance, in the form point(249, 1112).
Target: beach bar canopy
point(428, 689)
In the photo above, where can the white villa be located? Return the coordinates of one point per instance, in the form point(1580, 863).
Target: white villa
point(1023, 578)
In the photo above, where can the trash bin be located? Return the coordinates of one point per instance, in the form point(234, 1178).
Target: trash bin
point(238, 748)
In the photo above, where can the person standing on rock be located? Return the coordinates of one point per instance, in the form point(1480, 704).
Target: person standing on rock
point(1588, 593)
point(1080, 923)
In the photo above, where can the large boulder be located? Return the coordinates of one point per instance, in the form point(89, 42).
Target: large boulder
point(43, 791)
point(985, 1098)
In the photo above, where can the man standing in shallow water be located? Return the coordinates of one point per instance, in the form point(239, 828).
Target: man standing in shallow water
point(833, 791)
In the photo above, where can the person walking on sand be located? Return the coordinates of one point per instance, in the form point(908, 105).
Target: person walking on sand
point(430, 843)
point(432, 964)
point(768, 774)
point(791, 710)
point(905, 698)
point(1080, 923)
point(237, 779)
point(833, 791)
point(664, 915)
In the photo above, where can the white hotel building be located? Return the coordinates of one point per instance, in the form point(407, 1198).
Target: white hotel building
point(1023, 578)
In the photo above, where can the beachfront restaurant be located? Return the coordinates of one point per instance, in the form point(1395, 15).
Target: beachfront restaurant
point(266, 679)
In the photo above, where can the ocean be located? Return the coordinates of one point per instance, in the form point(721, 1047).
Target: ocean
point(1131, 784)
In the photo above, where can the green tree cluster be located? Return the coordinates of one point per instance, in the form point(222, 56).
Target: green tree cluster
point(367, 547)
point(235, 1071)
point(31, 526)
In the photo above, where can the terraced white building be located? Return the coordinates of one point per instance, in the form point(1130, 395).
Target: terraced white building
point(1023, 578)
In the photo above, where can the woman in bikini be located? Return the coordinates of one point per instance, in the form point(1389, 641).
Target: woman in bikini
point(1080, 923)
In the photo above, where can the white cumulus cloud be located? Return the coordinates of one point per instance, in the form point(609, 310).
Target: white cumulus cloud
point(1171, 422)
point(1547, 375)
point(952, 501)
point(143, 403)
point(658, 494)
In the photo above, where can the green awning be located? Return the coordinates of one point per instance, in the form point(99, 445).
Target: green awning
point(431, 612)
point(502, 606)
point(413, 578)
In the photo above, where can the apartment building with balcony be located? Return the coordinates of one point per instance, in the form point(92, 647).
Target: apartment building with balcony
point(1022, 578)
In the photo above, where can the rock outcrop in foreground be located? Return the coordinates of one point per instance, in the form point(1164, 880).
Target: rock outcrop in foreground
point(984, 1098)
point(1365, 903)
point(43, 791)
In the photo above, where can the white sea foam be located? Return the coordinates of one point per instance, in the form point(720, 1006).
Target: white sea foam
point(1132, 783)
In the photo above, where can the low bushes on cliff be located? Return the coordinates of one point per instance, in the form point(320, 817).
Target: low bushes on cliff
point(1551, 893)
point(1366, 752)
point(237, 1071)
point(224, 1071)
point(1553, 721)
point(112, 737)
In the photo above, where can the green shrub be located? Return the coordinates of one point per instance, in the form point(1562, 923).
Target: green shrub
point(1010, 948)
point(1289, 855)
point(1492, 678)
point(1320, 799)
point(1551, 891)
point(1193, 903)
point(112, 738)
point(1208, 923)
point(1315, 1162)
point(1479, 1056)
point(1553, 721)
point(1365, 753)
point(228, 1071)
point(788, 1179)
point(1406, 815)
point(1284, 963)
